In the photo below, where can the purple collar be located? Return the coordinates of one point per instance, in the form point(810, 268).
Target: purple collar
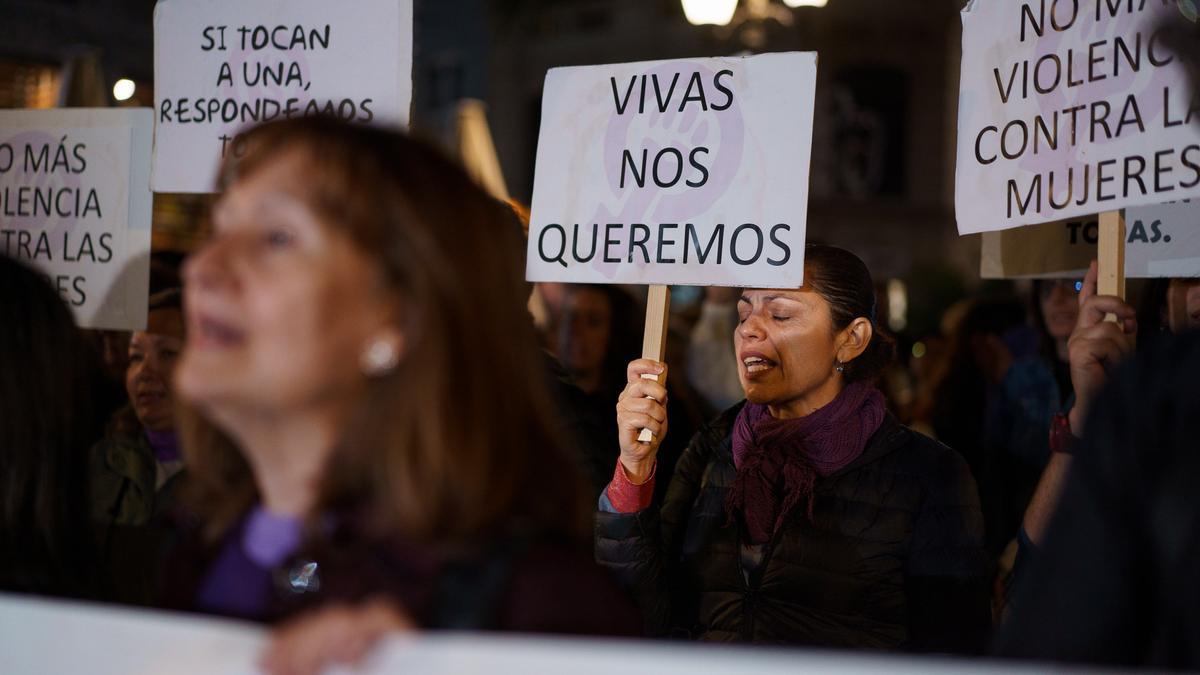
point(269, 538)
point(165, 445)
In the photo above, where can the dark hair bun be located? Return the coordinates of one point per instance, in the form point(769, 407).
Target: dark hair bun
point(843, 280)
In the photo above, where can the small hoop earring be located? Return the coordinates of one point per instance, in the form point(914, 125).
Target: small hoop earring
point(379, 358)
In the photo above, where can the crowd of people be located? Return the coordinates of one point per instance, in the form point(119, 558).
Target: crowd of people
point(342, 421)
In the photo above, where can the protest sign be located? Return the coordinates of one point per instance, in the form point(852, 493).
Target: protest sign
point(75, 202)
point(1070, 108)
point(1164, 241)
point(692, 171)
point(223, 65)
point(1161, 241)
point(40, 636)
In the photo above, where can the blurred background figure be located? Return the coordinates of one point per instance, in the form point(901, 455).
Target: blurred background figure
point(46, 542)
point(598, 331)
point(133, 472)
point(1034, 385)
point(711, 363)
point(597, 335)
point(1007, 377)
point(1167, 306)
point(977, 362)
point(369, 424)
point(1055, 304)
point(1183, 305)
point(594, 333)
point(110, 391)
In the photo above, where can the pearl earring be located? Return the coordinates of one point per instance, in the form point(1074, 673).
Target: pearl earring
point(379, 358)
point(841, 367)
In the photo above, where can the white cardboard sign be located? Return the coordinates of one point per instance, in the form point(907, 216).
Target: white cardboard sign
point(75, 202)
point(1168, 242)
point(1069, 108)
point(1161, 241)
point(690, 171)
point(223, 65)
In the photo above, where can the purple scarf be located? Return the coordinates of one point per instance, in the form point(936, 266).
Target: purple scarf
point(778, 461)
point(165, 445)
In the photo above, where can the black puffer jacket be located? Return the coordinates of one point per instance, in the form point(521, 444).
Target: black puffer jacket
point(893, 556)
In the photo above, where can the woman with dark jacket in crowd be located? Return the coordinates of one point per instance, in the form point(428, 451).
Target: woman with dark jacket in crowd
point(806, 514)
point(134, 470)
point(371, 437)
point(46, 426)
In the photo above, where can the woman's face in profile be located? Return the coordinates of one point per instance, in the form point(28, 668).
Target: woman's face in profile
point(280, 305)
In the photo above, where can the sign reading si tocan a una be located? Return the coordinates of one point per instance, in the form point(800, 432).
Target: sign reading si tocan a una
point(691, 171)
point(223, 65)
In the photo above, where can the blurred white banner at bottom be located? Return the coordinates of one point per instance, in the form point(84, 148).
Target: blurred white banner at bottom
point(45, 637)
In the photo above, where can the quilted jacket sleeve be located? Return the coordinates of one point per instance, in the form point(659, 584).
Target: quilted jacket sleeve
point(640, 549)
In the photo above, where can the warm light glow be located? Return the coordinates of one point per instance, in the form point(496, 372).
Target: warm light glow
point(805, 3)
point(123, 89)
point(897, 299)
point(699, 12)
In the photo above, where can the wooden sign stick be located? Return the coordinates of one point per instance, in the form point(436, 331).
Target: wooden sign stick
point(654, 341)
point(1111, 279)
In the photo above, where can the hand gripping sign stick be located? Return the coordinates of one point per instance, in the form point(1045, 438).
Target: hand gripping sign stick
point(654, 342)
point(1111, 256)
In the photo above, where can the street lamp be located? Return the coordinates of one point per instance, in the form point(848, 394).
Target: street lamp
point(700, 12)
point(123, 89)
point(724, 12)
